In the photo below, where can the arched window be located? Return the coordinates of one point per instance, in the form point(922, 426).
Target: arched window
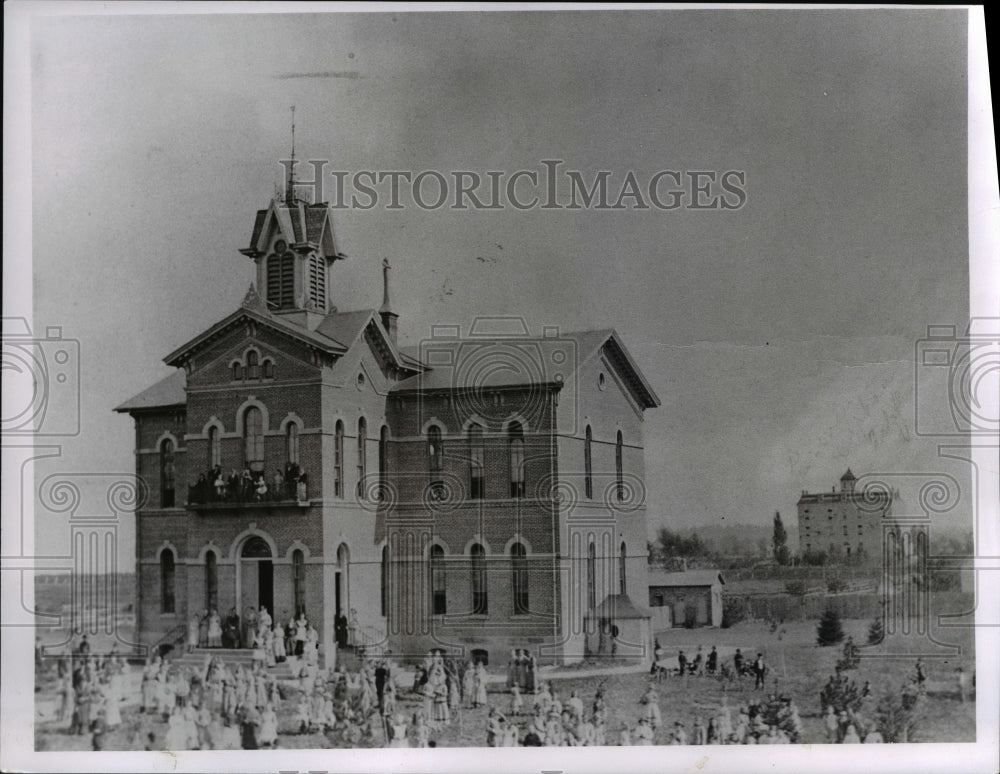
point(480, 600)
point(281, 281)
point(591, 577)
point(214, 448)
point(622, 585)
point(362, 462)
point(268, 369)
point(588, 464)
point(619, 479)
point(338, 459)
point(253, 365)
point(383, 460)
point(476, 457)
point(167, 474)
point(439, 592)
point(385, 581)
point(292, 444)
point(298, 581)
point(519, 578)
point(237, 371)
point(211, 581)
point(253, 439)
point(167, 602)
point(435, 459)
point(317, 282)
point(516, 436)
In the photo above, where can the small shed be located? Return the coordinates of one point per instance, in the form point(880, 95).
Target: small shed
point(689, 598)
point(620, 628)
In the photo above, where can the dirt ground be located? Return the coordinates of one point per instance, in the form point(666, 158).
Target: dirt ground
point(798, 668)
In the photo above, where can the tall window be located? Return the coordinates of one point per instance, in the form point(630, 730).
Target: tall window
point(281, 281)
point(619, 479)
point(385, 581)
point(317, 281)
point(516, 436)
point(338, 459)
point(383, 460)
point(211, 581)
point(167, 474)
point(362, 466)
point(298, 580)
point(434, 459)
point(588, 464)
point(237, 371)
point(253, 365)
point(253, 439)
point(214, 447)
point(292, 444)
point(621, 570)
point(167, 604)
point(476, 455)
point(268, 369)
point(480, 601)
point(519, 578)
point(591, 577)
point(439, 593)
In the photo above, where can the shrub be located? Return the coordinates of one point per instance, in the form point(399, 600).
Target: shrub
point(733, 611)
point(829, 631)
point(834, 585)
point(876, 632)
point(852, 656)
point(796, 587)
point(842, 694)
point(896, 714)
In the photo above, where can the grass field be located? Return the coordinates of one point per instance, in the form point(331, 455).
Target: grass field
point(798, 668)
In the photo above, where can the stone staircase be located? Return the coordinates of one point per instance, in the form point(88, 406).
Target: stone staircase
point(233, 657)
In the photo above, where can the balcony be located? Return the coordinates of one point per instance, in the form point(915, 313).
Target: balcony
point(243, 493)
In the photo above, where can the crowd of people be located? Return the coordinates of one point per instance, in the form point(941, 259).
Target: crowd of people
point(702, 664)
point(274, 640)
point(249, 486)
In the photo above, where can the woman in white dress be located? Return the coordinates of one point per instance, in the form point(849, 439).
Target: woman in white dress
point(268, 727)
point(278, 642)
point(399, 728)
point(214, 630)
point(192, 632)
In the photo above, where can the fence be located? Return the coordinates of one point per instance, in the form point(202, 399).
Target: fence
point(787, 607)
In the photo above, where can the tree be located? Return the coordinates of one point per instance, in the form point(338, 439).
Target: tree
point(779, 541)
point(896, 714)
point(829, 631)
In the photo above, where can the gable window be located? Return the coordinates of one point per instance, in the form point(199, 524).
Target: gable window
point(167, 474)
point(281, 281)
point(476, 455)
point(211, 581)
point(362, 462)
point(516, 442)
point(439, 592)
point(253, 439)
point(338, 460)
point(268, 369)
point(253, 365)
point(619, 478)
point(480, 601)
point(434, 460)
point(167, 600)
point(519, 578)
point(588, 464)
point(237, 372)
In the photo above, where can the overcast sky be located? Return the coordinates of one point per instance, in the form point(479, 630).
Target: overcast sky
point(779, 336)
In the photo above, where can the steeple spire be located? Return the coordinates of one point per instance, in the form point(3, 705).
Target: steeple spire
point(389, 317)
point(290, 188)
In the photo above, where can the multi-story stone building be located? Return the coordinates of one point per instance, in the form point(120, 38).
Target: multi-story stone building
point(844, 524)
point(480, 491)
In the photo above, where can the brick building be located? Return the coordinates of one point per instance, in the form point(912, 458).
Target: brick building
point(845, 524)
point(479, 492)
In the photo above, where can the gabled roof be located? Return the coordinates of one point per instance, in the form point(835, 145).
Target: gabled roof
point(620, 606)
point(165, 393)
point(686, 578)
point(521, 369)
point(300, 224)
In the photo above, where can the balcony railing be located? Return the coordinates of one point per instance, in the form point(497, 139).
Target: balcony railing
point(247, 491)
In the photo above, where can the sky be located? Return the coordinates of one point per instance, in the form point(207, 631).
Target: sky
point(780, 336)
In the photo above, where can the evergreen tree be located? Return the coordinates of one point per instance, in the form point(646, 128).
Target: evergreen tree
point(829, 631)
point(779, 541)
point(876, 632)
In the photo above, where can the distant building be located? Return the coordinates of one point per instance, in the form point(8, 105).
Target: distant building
point(676, 597)
point(844, 524)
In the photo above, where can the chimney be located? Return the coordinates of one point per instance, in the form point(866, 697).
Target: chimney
point(389, 317)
